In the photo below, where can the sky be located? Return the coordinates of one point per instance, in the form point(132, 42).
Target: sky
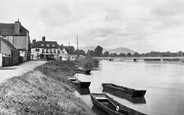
point(141, 25)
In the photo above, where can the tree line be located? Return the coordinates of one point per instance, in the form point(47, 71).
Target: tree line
point(98, 52)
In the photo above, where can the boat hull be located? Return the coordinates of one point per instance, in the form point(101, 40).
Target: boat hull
point(78, 83)
point(81, 70)
point(121, 90)
point(110, 106)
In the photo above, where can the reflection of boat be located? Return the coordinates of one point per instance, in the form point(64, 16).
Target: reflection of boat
point(83, 91)
point(111, 106)
point(136, 100)
point(112, 88)
point(80, 84)
point(98, 111)
point(81, 70)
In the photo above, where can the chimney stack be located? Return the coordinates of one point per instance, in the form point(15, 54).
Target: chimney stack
point(43, 38)
point(34, 41)
point(17, 27)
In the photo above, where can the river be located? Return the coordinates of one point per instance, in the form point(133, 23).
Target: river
point(164, 82)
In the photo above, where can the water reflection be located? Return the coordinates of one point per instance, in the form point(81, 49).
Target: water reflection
point(98, 111)
point(83, 91)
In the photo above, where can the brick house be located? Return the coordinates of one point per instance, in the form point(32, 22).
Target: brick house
point(44, 49)
point(9, 54)
point(17, 35)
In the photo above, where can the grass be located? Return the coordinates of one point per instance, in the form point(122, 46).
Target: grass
point(43, 91)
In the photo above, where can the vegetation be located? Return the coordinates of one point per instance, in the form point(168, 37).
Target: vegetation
point(43, 91)
point(88, 62)
point(98, 53)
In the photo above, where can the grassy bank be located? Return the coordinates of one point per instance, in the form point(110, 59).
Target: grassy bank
point(43, 91)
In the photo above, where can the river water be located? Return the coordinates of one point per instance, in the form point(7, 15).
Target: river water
point(164, 82)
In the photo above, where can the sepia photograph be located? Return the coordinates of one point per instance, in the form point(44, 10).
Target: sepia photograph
point(92, 57)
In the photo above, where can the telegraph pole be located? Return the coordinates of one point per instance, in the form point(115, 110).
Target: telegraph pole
point(77, 42)
point(69, 47)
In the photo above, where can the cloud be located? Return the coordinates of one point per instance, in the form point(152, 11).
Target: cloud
point(143, 25)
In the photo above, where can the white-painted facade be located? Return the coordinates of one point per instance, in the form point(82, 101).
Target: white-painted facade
point(40, 53)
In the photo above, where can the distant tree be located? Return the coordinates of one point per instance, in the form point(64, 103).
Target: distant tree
point(90, 53)
point(180, 53)
point(122, 55)
point(136, 54)
point(98, 51)
point(129, 54)
point(80, 52)
point(106, 54)
point(113, 55)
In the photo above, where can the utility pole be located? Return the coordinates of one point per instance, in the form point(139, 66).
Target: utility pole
point(77, 42)
point(69, 47)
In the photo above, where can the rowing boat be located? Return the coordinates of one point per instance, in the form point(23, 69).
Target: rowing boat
point(111, 106)
point(121, 90)
point(78, 83)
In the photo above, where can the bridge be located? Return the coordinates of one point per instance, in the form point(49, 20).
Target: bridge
point(142, 58)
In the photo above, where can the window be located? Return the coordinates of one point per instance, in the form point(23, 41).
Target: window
point(46, 50)
point(37, 50)
point(53, 45)
point(54, 50)
point(42, 44)
point(48, 45)
point(43, 51)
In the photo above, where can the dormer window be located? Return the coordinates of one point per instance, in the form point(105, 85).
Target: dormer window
point(42, 44)
point(47, 45)
point(53, 45)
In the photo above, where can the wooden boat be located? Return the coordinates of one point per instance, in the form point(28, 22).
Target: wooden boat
point(111, 106)
point(78, 83)
point(136, 100)
point(81, 70)
point(121, 90)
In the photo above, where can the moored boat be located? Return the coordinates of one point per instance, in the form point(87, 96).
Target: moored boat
point(121, 90)
point(111, 106)
point(81, 70)
point(78, 83)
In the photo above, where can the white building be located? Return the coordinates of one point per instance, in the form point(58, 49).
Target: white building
point(63, 54)
point(44, 49)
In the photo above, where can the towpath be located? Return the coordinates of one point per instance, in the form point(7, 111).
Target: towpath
point(9, 72)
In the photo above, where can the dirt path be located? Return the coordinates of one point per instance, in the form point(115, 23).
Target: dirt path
point(8, 72)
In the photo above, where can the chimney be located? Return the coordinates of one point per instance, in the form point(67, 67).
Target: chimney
point(17, 27)
point(34, 41)
point(43, 38)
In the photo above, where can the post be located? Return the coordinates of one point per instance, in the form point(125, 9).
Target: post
point(77, 42)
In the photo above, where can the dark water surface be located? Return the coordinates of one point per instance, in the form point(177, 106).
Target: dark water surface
point(164, 82)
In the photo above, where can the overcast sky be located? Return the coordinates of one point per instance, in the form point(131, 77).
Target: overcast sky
point(141, 25)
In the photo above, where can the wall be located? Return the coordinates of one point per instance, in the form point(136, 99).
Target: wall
point(1, 60)
point(5, 49)
point(15, 57)
point(20, 42)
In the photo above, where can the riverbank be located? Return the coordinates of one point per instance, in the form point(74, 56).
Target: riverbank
point(45, 90)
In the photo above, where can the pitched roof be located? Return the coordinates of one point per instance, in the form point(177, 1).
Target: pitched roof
point(8, 29)
point(45, 44)
point(70, 49)
point(8, 44)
